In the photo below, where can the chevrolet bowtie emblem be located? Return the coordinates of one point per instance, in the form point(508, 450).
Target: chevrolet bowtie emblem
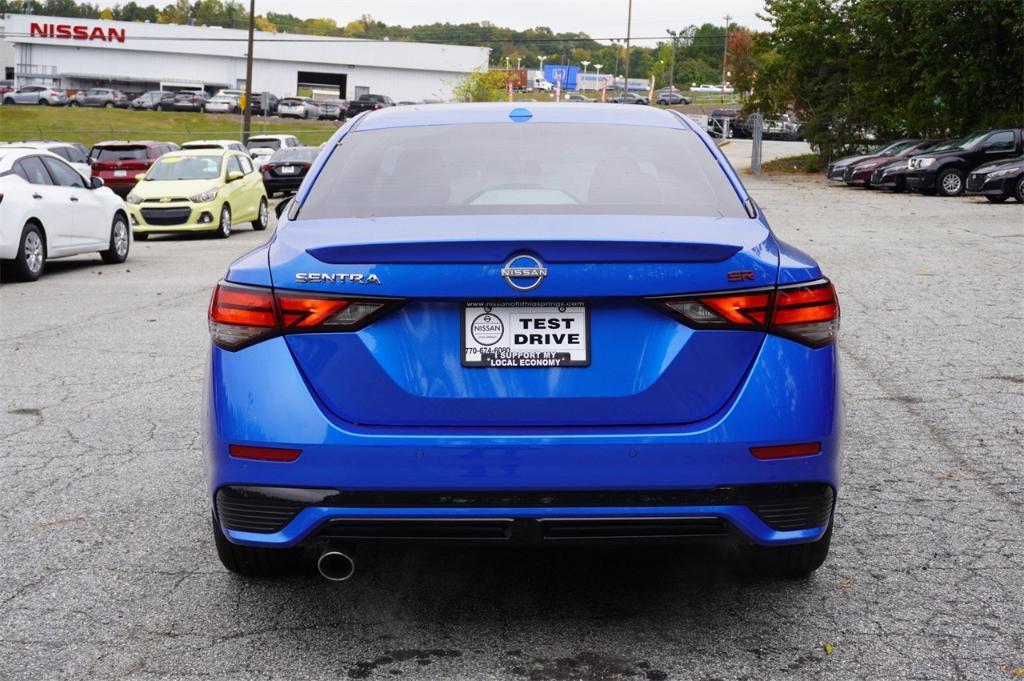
point(166, 199)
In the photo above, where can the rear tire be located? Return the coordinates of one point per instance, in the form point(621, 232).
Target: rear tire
point(108, 105)
point(31, 258)
point(250, 561)
point(1019, 192)
point(950, 182)
point(262, 217)
point(119, 242)
point(786, 562)
point(44, 102)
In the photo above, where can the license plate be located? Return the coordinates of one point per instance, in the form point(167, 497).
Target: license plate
point(120, 173)
point(524, 334)
point(287, 170)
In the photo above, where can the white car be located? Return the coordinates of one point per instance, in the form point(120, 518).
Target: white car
point(298, 107)
point(231, 145)
point(222, 104)
point(50, 211)
point(67, 151)
point(262, 147)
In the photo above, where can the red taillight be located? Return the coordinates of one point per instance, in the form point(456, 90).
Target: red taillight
point(808, 313)
point(786, 451)
point(263, 453)
point(243, 315)
point(265, 169)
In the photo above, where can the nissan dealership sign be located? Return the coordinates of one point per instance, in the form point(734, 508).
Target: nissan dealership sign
point(76, 32)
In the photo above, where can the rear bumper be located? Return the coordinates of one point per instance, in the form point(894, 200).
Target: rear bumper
point(258, 397)
point(288, 516)
point(121, 186)
point(282, 184)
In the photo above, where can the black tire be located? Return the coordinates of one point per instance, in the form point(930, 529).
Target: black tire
point(263, 216)
point(44, 102)
point(120, 242)
point(1019, 192)
point(141, 236)
point(73, 103)
point(786, 562)
point(224, 225)
point(950, 182)
point(8, 101)
point(30, 260)
point(250, 561)
point(997, 199)
point(108, 105)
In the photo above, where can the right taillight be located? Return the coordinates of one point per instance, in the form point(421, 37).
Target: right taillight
point(808, 313)
point(243, 315)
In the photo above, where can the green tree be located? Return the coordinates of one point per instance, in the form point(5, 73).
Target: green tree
point(481, 86)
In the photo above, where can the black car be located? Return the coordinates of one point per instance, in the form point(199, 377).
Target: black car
point(998, 181)
point(892, 173)
point(369, 102)
point(256, 107)
point(837, 169)
point(945, 172)
point(284, 171)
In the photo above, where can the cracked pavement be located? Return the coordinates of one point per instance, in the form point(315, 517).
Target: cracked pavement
point(109, 570)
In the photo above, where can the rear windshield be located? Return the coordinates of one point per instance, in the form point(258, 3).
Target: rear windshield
point(521, 169)
point(262, 143)
point(185, 168)
point(306, 154)
point(290, 102)
point(120, 154)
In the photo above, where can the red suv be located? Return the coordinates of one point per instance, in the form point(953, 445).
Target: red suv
point(117, 163)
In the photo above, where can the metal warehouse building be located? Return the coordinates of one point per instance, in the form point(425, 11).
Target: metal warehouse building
point(81, 53)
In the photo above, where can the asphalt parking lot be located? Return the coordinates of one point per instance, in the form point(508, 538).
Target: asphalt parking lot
point(110, 573)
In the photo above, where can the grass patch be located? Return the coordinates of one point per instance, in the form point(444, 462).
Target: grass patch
point(789, 165)
point(89, 126)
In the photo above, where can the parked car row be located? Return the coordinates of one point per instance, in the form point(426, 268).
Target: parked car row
point(224, 101)
point(59, 198)
point(988, 163)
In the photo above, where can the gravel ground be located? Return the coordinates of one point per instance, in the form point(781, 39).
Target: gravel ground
point(109, 569)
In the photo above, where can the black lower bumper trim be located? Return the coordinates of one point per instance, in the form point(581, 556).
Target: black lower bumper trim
point(269, 509)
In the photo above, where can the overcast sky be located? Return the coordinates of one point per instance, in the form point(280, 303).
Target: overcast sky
point(598, 18)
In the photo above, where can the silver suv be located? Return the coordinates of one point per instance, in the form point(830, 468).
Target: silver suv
point(36, 94)
point(98, 97)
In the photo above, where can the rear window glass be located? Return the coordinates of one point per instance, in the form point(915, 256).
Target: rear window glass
point(521, 169)
point(295, 154)
point(263, 143)
point(104, 154)
point(290, 102)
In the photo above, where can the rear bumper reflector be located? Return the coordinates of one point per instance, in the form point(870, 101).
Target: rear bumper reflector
point(787, 451)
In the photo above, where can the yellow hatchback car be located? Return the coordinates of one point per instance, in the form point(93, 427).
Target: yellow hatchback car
point(201, 190)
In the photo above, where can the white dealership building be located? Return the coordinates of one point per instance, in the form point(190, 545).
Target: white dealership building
point(76, 54)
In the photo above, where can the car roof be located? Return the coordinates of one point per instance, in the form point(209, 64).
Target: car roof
point(133, 143)
point(209, 142)
point(532, 112)
point(16, 152)
point(202, 152)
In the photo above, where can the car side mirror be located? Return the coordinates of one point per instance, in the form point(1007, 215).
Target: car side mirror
point(234, 175)
point(140, 177)
point(95, 182)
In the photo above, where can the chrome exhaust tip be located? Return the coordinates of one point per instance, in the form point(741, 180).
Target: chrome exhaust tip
point(335, 566)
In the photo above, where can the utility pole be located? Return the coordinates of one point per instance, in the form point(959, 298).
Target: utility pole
point(725, 52)
point(629, 31)
point(247, 110)
point(675, 45)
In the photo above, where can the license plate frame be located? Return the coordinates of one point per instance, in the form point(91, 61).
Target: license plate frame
point(480, 348)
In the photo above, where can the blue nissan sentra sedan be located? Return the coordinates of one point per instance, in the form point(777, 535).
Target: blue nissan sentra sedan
point(551, 325)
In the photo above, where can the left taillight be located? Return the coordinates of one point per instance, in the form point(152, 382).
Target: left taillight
point(807, 313)
point(242, 315)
